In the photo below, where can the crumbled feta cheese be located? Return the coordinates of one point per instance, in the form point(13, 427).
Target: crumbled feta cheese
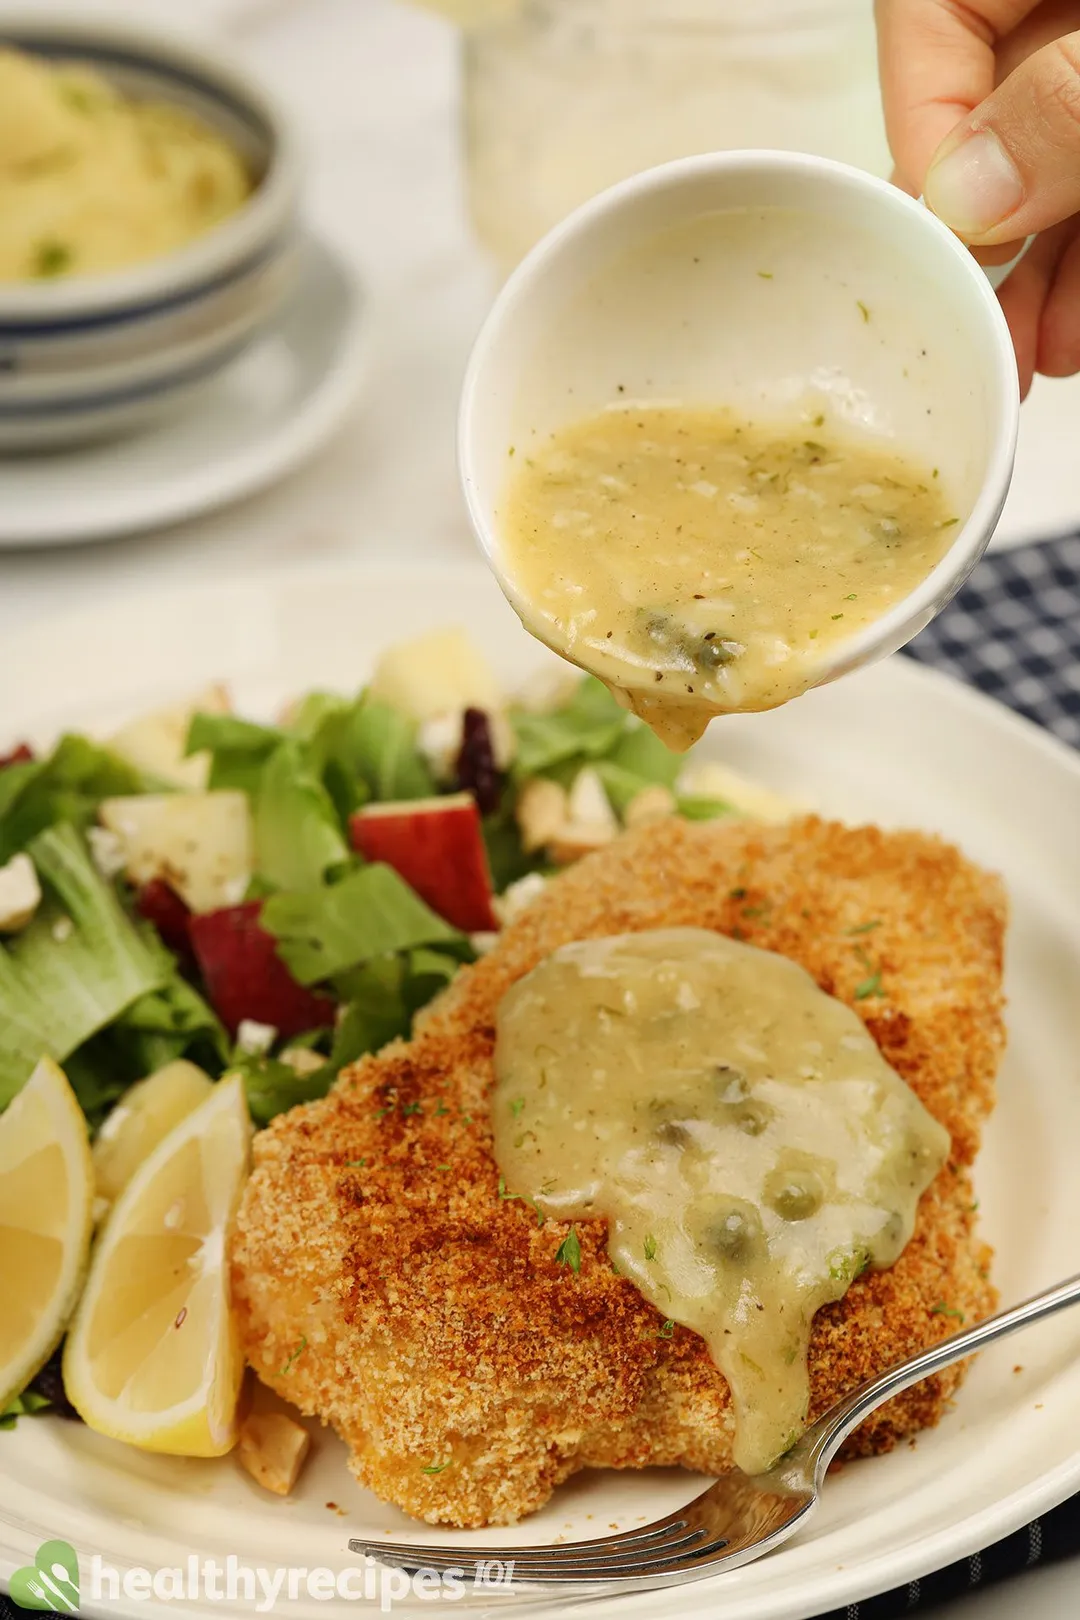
point(62, 929)
point(516, 897)
point(20, 893)
point(548, 689)
point(106, 851)
point(255, 1038)
point(439, 740)
point(483, 942)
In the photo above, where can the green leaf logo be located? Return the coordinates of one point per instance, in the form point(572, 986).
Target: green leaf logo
point(51, 1581)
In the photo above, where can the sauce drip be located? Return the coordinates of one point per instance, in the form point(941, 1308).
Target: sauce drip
point(738, 1129)
point(699, 563)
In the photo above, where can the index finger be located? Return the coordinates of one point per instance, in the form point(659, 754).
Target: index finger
point(936, 61)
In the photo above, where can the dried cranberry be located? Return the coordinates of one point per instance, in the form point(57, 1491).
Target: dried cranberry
point(21, 754)
point(49, 1383)
point(477, 771)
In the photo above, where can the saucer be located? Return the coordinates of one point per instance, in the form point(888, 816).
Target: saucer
point(253, 423)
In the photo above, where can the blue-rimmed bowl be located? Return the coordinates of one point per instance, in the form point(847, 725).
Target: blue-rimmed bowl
point(84, 357)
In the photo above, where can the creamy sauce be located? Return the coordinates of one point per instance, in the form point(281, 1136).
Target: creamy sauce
point(738, 1129)
point(702, 564)
point(92, 181)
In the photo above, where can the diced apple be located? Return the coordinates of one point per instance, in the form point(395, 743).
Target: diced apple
point(272, 1447)
point(589, 805)
point(164, 908)
point(199, 843)
point(245, 978)
point(437, 846)
point(435, 673)
point(441, 675)
point(154, 742)
point(20, 893)
point(541, 813)
point(575, 841)
point(653, 803)
point(708, 779)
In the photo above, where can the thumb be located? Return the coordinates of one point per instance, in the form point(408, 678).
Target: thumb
point(1012, 167)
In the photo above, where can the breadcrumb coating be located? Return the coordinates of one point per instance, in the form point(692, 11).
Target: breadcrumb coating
point(386, 1284)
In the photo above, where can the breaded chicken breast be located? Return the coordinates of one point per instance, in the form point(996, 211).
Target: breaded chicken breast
point(386, 1284)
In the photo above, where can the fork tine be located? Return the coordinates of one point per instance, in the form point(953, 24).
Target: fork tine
point(657, 1533)
point(553, 1570)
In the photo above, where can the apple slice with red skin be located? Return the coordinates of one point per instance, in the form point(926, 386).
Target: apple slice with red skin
point(437, 846)
point(171, 916)
point(245, 977)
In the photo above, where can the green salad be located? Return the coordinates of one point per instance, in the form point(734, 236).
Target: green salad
point(280, 899)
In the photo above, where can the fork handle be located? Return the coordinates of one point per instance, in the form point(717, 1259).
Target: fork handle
point(823, 1439)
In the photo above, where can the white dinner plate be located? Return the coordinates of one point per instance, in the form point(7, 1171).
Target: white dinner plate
point(897, 745)
point(257, 420)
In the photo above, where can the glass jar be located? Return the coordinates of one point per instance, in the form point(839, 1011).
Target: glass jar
point(564, 97)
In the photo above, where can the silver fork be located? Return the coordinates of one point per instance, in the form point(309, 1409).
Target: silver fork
point(738, 1518)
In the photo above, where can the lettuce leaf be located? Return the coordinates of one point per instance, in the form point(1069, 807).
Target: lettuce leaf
point(695, 807)
point(641, 752)
point(586, 728)
point(66, 787)
point(238, 749)
point(75, 968)
point(372, 912)
point(298, 835)
point(383, 752)
point(385, 994)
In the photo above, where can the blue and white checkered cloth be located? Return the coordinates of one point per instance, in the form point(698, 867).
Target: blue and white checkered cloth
point(1014, 632)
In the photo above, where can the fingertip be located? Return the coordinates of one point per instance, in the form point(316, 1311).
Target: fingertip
point(1058, 350)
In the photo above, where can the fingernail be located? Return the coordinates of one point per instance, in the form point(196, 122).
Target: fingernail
point(975, 186)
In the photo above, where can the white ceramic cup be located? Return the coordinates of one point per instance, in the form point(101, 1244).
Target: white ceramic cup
point(761, 281)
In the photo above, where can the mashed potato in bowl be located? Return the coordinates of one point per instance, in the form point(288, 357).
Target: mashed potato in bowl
point(92, 181)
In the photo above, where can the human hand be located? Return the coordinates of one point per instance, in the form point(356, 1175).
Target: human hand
point(982, 108)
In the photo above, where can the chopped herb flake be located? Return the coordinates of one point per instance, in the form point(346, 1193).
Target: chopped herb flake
point(666, 1329)
point(301, 1347)
point(862, 309)
point(569, 1251)
point(436, 1468)
point(52, 259)
point(650, 1247)
point(941, 1309)
point(516, 1105)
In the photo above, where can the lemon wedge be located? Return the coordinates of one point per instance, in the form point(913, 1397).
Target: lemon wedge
point(46, 1198)
point(143, 1117)
point(153, 1356)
